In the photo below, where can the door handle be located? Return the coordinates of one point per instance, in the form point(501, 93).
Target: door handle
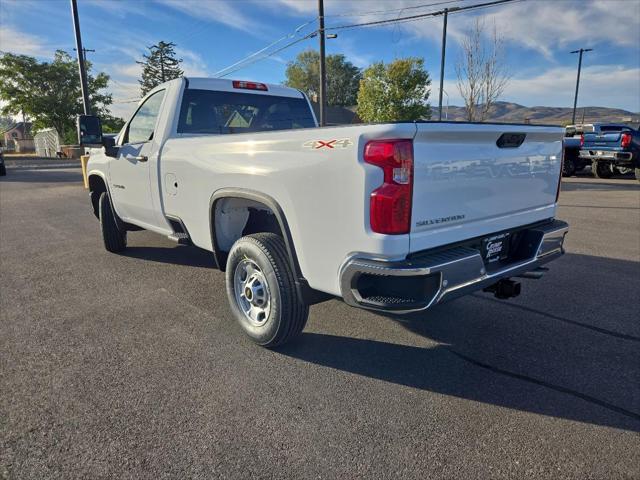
point(142, 158)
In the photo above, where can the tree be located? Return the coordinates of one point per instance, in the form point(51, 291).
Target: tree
point(396, 91)
point(111, 124)
point(160, 66)
point(6, 123)
point(482, 76)
point(342, 77)
point(49, 92)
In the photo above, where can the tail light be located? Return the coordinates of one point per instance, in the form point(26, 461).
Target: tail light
point(582, 140)
point(626, 140)
point(390, 203)
point(249, 85)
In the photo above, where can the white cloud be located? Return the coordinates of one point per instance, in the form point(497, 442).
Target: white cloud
point(192, 63)
point(600, 85)
point(219, 11)
point(546, 26)
point(15, 41)
point(119, 9)
point(614, 86)
point(542, 25)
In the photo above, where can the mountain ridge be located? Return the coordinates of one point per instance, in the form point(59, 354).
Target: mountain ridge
point(510, 112)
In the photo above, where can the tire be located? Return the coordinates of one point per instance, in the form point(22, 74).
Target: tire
point(568, 167)
point(115, 239)
point(601, 169)
point(3, 170)
point(260, 281)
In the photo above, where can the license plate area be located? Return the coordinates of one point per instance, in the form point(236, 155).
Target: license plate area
point(496, 248)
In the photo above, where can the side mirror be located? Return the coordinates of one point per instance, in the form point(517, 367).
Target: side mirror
point(110, 148)
point(89, 131)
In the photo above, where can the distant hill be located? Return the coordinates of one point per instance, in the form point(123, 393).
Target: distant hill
point(512, 112)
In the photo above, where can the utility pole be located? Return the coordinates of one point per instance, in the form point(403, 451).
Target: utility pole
point(81, 66)
point(323, 76)
point(575, 100)
point(444, 49)
point(84, 53)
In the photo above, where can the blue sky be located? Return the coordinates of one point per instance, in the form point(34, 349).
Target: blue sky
point(213, 34)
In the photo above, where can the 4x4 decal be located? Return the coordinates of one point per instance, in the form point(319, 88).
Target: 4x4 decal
point(318, 144)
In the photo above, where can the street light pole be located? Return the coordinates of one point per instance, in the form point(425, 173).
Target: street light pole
point(81, 66)
point(323, 76)
point(575, 99)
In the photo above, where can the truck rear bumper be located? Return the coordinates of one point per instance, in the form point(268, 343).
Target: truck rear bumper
point(427, 279)
point(606, 155)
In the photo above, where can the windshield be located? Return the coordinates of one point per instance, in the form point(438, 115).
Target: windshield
point(209, 111)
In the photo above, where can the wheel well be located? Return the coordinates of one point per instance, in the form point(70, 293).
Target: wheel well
point(236, 213)
point(235, 217)
point(96, 188)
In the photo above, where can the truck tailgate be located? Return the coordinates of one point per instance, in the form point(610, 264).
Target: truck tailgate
point(472, 180)
point(604, 139)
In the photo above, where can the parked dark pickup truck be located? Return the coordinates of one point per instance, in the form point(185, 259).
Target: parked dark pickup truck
point(612, 149)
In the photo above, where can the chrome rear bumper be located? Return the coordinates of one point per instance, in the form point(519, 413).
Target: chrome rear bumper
point(443, 275)
point(606, 155)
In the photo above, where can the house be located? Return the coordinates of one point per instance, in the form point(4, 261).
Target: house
point(17, 138)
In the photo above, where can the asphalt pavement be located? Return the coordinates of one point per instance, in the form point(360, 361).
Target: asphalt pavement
point(131, 366)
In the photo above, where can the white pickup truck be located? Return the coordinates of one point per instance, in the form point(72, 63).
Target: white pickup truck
point(394, 217)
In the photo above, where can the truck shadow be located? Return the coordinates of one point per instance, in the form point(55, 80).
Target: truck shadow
point(175, 254)
point(575, 360)
point(59, 175)
point(600, 185)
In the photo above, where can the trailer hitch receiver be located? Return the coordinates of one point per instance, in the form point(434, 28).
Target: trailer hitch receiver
point(504, 289)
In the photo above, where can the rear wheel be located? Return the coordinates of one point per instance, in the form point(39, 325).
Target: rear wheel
point(568, 167)
point(261, 290)
point(3, 170)
point(115, 239)
point(601, 169)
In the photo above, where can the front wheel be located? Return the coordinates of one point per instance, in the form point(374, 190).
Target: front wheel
point(115, 239)
point(601, 169)
point(262, 292)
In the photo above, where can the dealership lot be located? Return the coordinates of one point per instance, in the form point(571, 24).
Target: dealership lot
point(131, 365)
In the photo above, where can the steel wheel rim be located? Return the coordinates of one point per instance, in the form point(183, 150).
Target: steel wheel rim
point(252, 292)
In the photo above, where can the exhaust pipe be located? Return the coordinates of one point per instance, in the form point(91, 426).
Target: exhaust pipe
point(504, 289)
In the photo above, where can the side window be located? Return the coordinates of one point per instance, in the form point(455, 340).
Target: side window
point(144, 121)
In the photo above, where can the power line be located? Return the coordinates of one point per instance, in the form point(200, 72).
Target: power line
point(419, 16)
point(253, 58)
point(272, 44)
point(271, 54)
point(127, 100)
point(397, 10)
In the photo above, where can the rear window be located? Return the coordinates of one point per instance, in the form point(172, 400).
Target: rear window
point(614, 128)
point(208, 111)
